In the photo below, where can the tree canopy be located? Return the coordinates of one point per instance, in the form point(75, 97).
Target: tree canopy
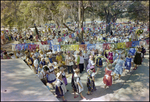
point(22, 14)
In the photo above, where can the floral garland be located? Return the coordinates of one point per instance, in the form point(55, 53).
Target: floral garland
point(139, 31)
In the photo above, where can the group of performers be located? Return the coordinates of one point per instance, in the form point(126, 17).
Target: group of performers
point(123, 61)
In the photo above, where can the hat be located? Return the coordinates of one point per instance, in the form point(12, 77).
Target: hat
point(58, 74)
point(50, 64)
point(55, 63)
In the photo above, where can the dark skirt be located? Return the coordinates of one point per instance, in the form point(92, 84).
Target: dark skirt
point(57, 91)
point(81, 67)
point(65, 80)
point(73, 84)
point(90, 85)
point(44, 81)
point(138, 59)
point(51, 81)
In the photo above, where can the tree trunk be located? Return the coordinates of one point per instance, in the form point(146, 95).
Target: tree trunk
point(81, 20)
point(82, 15)
point(108, 25)
point(79, 14)
point(57, 23)
point(114, 19)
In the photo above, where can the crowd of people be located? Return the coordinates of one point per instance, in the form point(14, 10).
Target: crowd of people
point(121, 33)
point(51, 68)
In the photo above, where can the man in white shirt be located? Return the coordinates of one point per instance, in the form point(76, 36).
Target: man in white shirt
point(86, 58)
point(115, 39)
point(109, 40)
point(18, 54)
point(140, 37)
point(81, 63)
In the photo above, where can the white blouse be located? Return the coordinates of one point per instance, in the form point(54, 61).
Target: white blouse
point(81, 60)
point(41, 75)
point(91, 61)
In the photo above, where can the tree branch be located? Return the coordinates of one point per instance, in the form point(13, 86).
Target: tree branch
point(68, 27)
point(105, 12)
point(126, 11)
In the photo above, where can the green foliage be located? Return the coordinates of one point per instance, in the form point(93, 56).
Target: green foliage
point(141, 11)
point(24, 13)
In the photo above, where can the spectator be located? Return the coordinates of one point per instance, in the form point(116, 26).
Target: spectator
point(86, 58)
point(6, 56)
point(42, 61)
point(35, 63)
point(81, 63)
point(59, 58)
point(69, 62)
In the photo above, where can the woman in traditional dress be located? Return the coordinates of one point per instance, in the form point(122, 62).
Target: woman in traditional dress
point(51, 77)
point(138, 58)
point(43, 62)
point(119, 67)
point(128, 62)
point(81, 63)
point(76, 84)
point(42, 74)
point(60, 87)
point(143, 51)
point(50, 58)
point(91, 81)
point(91, 63)
point(107, 80)
point(99, 61)
point(63, 75)
point(41, 55)
point(110, 56)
